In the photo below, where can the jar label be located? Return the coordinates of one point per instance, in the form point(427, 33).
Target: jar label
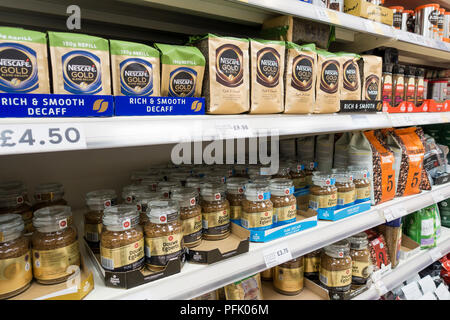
point(235, 212)
point(215, 219)
point(158, 251)
point(299, 182)
point(335, 279)
point(192, 229)
point(286, 279)
point(323, 201)
point(92, 231)
point(363, 194)
point(312, 264)
point(346, 198)
point(52, 264)
point(15, 273)
point(257, 220)
point(285, 213)
point(123, 258)
point(361, 269)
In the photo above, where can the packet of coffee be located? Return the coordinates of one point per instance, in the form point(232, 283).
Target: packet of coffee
point(351, 80)
point(267, 69)
point(371, 77)
point(300, 78)
point(80, 64)
point(328, 83)
point(135, 69)
point(226, 86)
point(23, 61)
point(182, 70)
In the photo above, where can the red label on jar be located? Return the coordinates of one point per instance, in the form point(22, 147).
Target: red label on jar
point(399, 92)
point(410, 91)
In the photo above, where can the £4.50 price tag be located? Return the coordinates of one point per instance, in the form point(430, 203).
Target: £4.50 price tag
point(41, 138)
point(276, 256)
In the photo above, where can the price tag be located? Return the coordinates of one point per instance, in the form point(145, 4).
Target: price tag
point(435, 254)
point(427, 284)
point(322, 14)
point(233, 129)
point(333, 16)
point(437, 196)
point(274, 257)
point(412, 291)
point(41, 138)
point(442, 292)
point(381, 288)
point(428, 296)
point(388, 215)
point(397, 120)
point(394, 212)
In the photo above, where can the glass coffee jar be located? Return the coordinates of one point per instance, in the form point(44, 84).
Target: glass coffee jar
point(215, 211)
point(267, 275)
point(283, 200)
point(323, 194)
point(129, 192)
point(309, 167)
point(235, 195)
point(288, 277)
point(122, 239)
point(141, 199)
point(49, 194)
point(96, 202)
point(336, 267)
point(54, 245)
point(361, 262)
point(362, 183)
point(312, 264)
point(257, 209)
point(163, 234)
point(298, 176)
point(15, 257)
point(346, 191)
point(14, 201)
point(190, 214)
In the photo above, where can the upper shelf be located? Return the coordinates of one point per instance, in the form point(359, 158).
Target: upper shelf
point(119, 132)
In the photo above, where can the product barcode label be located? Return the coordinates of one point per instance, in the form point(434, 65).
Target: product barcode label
point(313, 205)
point(244, 223)
point(107, 263)
point(205, 224)
point(340, 202)
point(323, 279)
point(148, 252)
point(92, 237)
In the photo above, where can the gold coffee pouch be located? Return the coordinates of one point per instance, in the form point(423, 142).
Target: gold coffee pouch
point(80, 64)
point(135, 69)
point(182, 69)
point(371, 77)
point(351, 80)
point(226, 85)
point(23, 61)
point(267, 70)
point(328, 83)
point(300, 78)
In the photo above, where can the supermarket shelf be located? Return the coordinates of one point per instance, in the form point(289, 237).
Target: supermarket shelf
point(119, 132)
point(196, 279)
point(407, 268)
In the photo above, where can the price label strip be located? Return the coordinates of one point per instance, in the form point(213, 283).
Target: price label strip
point(276, 256)
point(41, 138)
point(234, 129)
point(394, 212)
point(437, 196)
point(322, 14)
point(373, 27)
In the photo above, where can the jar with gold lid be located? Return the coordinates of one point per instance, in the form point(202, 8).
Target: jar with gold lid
point(288, 277)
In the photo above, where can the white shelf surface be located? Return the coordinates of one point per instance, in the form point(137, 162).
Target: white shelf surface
point(196, 279)
point(134, 131)
point(407, 268)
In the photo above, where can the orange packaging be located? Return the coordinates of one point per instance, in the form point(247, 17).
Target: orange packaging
point(383, 169)
point(410, 175)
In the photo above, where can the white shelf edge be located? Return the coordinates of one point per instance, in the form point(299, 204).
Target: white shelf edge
point(195, 279)
point(408, 267)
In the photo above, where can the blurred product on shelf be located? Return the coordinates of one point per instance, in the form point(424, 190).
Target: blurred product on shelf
point(215, 211)
point(257, 209)
point(371, 77)
point(245, 289)
point(24, 64)
point(14, 200)
point(427, 17)
point(288, 277)
point(397, 16)
point(351, 84)
point(360, 255)
point(392, 233)
point(372, 10)
point(423, 226)
point(329, 81)
point(283, 200)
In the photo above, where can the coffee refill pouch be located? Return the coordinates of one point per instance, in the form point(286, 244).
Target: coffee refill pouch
point(300, 78)
point(267, 70)
point(23, 61)
point(371, 77)
point(341, 150)
point(351, 80)
point(328, 83)
point(135, 69)
point(80, 64)
point(182, 70)
point(324, 151)
point(226, 85)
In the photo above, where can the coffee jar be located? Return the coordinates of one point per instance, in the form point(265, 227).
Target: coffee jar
point(336, 267)
point(361, 261)
point(312, 264)
point(215, 211)
point(55, 248)
point(235, 195)
point(129, 192)
point(257, 209)
point(288, 277)
point(49, 194)
point(323, 194)
point(14, 201)
point(283, 200)
point(362, 183)
point(346, 191)
point(15, 257)
point(141, 199)
point(190, 214)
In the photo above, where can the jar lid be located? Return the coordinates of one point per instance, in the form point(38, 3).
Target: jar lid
point(323, 180)
point(297, 167)
point(259, 171)
point(212, 191)
point(309, 165)
point(178, 176)
point(343, 177)
point(11, 198)
point(434, 5)
point(55, 187)
point(398, 69)
point(167, 186)
point(138, 175)
point(283, 170)
point(186, 197)
point(257, 191)
point(398, 8)
point(387, 67)
point(223, 169)
point(338, 249)
point(236, 185)
point(120, 217)
point(103, 197)
point(10, 224)
point(129, 192)
point(161, 212)
point(215, 177)
point(281, 187)
point(52, 218)
point(359, 172)
point(194, 182)
point(8, 186)
point(358, 241)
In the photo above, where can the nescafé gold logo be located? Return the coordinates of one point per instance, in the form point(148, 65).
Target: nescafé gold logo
point(196, 106)
point(229, 65)
point(268, 68)
point(100, 106)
